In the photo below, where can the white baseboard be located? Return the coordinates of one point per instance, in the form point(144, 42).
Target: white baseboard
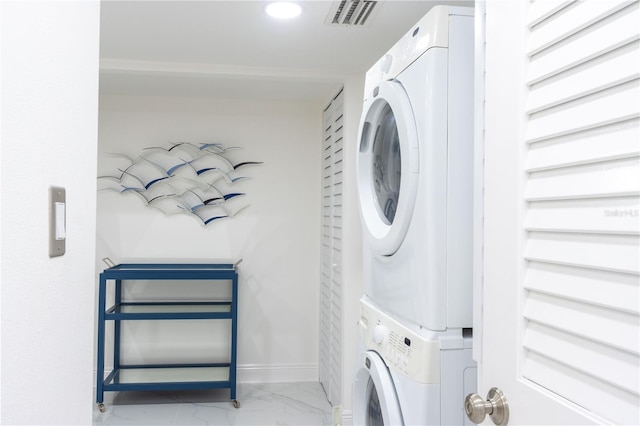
point(268, 373)
point(285, 373)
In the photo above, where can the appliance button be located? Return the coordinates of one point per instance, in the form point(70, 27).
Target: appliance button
point(379, 333)
point(385, 63)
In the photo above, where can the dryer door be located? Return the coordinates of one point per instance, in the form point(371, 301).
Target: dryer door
point(375, 401)
point(387, 167)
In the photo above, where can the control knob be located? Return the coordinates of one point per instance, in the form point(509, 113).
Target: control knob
point(379, 333)
point(385, 63)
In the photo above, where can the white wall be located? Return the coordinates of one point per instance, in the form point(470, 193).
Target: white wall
point(49, 120)
point(277, 236)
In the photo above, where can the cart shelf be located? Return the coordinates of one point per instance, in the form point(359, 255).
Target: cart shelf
point(173, 376)
point(169, 310)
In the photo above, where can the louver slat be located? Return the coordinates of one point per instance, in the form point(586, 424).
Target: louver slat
point(592, 215)
point(542, 10)
point(607, 107)
point(608, 327)
point(582, 248)
point(600, 288)
point(612, 366)
point(617, 253)
point(571, 21)
point(591, 43)
point(620, 68)
point(604, 179)
point(602, 144)
point(609, 401)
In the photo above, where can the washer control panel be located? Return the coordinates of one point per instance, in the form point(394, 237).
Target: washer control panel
point(402, 349)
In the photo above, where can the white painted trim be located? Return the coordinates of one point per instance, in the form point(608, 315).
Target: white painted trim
point(284, 373)
point(478, 178)
point(265, 373)
point(124, 66)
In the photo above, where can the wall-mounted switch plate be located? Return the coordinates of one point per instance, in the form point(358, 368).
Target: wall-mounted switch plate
point(57, 221)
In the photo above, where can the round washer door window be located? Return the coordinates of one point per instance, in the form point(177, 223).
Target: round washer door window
point(387, 166)
point(375, 402)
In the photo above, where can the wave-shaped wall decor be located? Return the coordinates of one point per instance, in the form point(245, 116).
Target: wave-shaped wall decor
point(182, 178)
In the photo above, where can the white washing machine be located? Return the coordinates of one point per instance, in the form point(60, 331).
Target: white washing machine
point(405, 377)
point(415, 173)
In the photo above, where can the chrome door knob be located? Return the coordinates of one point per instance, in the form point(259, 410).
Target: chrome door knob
point(477, 408)
point(495, 406)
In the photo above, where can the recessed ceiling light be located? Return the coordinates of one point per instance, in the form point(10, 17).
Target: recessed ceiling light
point(283, 10)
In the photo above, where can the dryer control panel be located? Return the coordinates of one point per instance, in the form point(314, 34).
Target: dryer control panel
point(431, 31)
point(404, 351)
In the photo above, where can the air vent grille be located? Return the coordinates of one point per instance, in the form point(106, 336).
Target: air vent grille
point(350, 12)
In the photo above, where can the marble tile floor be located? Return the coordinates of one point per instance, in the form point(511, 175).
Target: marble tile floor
point(260, 405)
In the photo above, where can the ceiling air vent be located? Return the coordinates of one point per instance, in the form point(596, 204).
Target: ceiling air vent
point(350, 12)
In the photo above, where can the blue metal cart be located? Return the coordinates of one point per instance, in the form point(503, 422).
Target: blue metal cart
point(165, 376)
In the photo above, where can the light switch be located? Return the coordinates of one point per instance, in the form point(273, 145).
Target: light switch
point(60, 214)
point(57, 221)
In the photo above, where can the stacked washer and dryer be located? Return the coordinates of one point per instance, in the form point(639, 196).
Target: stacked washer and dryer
point(415, 183)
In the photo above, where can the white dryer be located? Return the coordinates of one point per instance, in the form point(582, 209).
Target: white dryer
point(404, 377)
point(415, 171)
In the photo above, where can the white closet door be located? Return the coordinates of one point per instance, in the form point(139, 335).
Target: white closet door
point(561, 302)
point(331, 280)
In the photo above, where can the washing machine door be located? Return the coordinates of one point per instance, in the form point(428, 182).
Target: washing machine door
point(375, 401)
point(387, 167)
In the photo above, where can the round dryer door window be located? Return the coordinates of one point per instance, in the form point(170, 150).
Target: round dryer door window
point(387, 166)
point(375, 401)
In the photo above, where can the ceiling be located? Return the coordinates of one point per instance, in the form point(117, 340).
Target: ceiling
point(232, 49)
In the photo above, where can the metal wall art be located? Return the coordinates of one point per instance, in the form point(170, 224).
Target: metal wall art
point(185, 178)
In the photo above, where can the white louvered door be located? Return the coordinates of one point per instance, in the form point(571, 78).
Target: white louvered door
point(331, 280)
point(561, 298)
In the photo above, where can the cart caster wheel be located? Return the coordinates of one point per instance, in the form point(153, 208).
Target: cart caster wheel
point(101, 407)
point(236, 403)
